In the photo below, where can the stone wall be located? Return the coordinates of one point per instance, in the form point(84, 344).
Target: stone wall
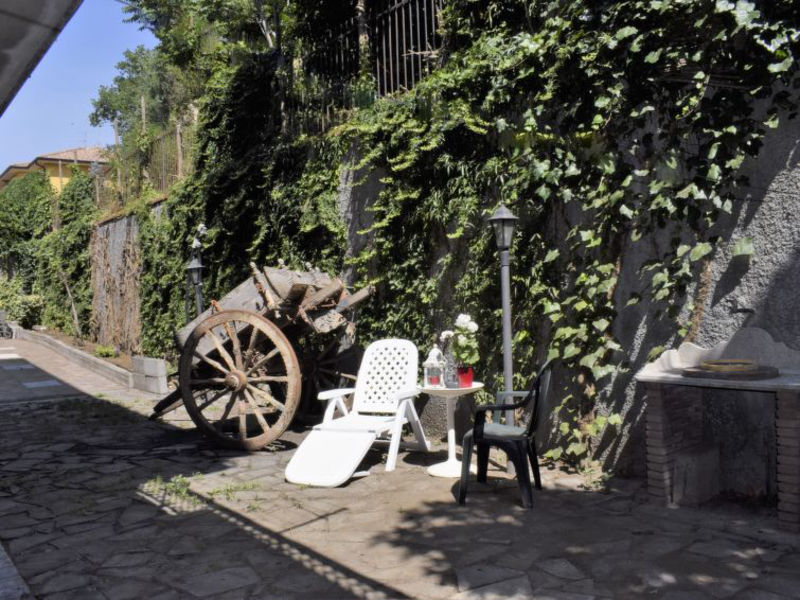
point(732, 292)
point(759, 291)
point(115, 282)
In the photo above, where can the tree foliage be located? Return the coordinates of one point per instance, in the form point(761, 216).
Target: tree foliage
point(63, 267)
point(25, 204)
point(598, 123)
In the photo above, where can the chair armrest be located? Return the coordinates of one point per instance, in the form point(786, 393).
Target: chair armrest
point(338, 393)
point(480, 411)
point(501, 406)
point(515, 394)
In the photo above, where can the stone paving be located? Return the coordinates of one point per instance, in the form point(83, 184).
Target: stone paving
point(98, 502)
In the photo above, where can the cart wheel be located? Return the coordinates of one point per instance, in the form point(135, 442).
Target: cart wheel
point(240, 379)
point(327, 369)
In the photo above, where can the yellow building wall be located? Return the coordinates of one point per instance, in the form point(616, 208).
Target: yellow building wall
point(60, 179)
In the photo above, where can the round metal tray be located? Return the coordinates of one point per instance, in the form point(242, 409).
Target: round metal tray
point(759, 372)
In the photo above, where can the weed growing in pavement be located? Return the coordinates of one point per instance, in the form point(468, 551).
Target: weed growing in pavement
point(178, 486)
point(229, 491)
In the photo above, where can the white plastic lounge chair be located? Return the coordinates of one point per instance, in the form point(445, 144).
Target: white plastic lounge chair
point(383, 401)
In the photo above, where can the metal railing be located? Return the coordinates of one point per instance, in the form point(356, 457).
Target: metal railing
point(167, 160)
point(404, 40)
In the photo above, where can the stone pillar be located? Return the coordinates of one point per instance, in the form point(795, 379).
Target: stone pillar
point(674, 425)
point(787, 425)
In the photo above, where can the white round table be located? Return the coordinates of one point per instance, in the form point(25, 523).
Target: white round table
point(452, 466)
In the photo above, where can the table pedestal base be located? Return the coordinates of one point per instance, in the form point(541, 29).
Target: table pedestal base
point(449, 468)
point(452, 466)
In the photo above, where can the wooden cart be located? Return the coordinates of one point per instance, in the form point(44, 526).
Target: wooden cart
point(246, 363)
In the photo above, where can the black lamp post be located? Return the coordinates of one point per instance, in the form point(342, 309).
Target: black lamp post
point(503, 221)
point(194, 275)
point(195, 271)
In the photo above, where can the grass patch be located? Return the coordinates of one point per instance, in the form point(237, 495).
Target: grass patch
point(229, 491)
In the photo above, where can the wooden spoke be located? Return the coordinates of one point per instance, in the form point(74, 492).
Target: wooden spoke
point(266, 396)
point(240, 405)
point(268, 379)
point(207, 382)
point(337, 374)
point(255, 333)
point(226, 413)
point(208, 403)
point(323, 357)
point(237, 347)
point(256, 410)
point(212, 362)
point(222, 352)
point(262, 361)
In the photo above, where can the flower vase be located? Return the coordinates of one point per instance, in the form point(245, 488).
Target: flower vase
point(450, 371)
point(465, 376)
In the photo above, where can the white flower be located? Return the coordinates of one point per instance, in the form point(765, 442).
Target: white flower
point(463, 321)
point(472, 327)
point(462, 339)
point(446, 335)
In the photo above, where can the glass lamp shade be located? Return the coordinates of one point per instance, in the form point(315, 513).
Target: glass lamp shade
point(434, 367)
point(195, 269)
point(433, 376)
point(503, 221)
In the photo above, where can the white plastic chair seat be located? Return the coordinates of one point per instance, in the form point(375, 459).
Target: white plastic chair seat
point(377, 424)
point(328, 458)
point(382, 405)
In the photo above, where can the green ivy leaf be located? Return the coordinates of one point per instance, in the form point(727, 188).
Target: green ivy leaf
point(551, 256)
point(652, 57)
point(743, 247)
point(626, 32)
point(781, 67)
point(576, 449)
point(699, 251)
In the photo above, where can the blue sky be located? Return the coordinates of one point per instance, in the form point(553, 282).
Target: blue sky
point(51, 110)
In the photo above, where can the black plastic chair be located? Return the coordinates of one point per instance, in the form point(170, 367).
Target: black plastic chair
point(519, 443)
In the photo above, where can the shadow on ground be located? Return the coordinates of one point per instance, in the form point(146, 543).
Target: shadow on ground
point(95, 503)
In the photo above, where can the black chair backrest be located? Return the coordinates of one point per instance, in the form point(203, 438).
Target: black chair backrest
point(540, 390)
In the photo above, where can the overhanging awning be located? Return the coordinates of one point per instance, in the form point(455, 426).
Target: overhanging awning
point(27, 29)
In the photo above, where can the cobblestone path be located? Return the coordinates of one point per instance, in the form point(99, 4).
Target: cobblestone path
point(97, 502)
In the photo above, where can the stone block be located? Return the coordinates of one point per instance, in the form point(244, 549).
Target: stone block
point(152, 367)
point(695, 476)
point(154, 385)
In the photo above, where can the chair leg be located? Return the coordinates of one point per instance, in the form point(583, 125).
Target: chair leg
point(422, 442)
point(394, 444)
point(537, 478)
point(483, 461)
point(518, 455)
point(466, 458)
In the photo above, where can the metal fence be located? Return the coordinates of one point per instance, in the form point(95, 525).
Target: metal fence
point(404, 39)
point(167, 160)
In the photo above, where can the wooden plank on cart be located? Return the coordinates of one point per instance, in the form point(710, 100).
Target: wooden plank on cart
point(244, 296)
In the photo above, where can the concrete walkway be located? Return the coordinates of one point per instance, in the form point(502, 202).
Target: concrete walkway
point(96, 502)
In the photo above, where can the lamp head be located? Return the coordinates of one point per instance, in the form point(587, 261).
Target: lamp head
point(503, 221)
point(195, 270)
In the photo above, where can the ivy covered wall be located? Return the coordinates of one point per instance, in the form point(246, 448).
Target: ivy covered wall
point(619, 132)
